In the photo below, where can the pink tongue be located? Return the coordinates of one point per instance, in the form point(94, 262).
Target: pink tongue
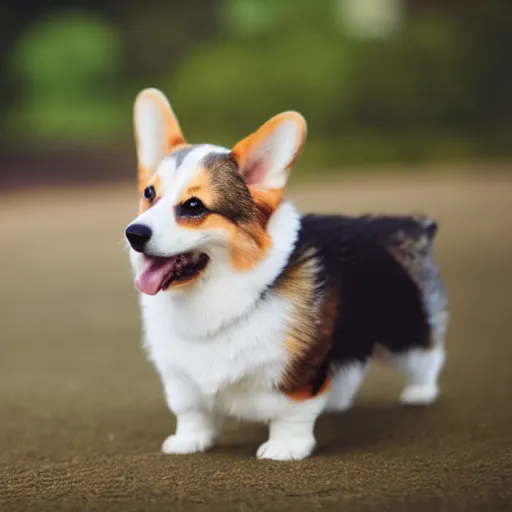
point(156, 272)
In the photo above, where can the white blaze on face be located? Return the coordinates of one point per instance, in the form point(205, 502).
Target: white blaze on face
point(168, 237)
point(173, 252)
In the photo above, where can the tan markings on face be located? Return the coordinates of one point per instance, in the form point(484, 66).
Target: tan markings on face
point(251, 242)
point(179, 145)
point(200, 187)
point(267, 201)
point(145, 175)
point(243, 213)
point(309, 336)
point(145, 204)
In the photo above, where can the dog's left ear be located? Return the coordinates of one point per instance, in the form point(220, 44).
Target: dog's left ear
point(157, 132)
point(266, 157)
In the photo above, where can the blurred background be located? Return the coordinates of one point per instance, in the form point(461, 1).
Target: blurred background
point(409, 108)
point(400, 81)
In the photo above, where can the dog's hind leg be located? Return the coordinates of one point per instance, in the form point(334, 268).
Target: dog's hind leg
point(345, 384)
point(421, 367)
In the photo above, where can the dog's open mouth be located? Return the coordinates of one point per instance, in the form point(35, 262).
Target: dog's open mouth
point(162, 272)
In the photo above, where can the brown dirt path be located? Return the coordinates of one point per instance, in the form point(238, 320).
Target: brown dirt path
point(82, 415)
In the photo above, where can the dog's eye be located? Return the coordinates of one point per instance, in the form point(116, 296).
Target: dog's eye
point(193, 207)
point(149, 193)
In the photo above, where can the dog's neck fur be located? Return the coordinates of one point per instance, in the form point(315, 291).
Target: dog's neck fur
point(225, 295)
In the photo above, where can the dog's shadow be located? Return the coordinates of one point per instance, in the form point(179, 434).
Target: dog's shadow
point(369, 427)
point(364, 428)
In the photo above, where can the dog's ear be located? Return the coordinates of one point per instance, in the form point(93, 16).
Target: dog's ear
point(265, 157)
point(157, 131)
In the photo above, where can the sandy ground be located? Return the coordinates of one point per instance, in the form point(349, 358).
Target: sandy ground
point(82, 415)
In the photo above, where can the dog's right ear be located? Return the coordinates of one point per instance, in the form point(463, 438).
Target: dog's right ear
point(157, 132)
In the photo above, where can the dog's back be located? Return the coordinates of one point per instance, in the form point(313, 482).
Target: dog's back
point(389, 286)
point(379, 276)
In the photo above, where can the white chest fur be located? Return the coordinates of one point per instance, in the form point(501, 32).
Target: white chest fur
point(211, 343)
point(232, 369)
point(249, 346)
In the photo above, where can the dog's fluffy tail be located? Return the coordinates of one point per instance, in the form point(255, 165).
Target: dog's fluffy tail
point(429, 226)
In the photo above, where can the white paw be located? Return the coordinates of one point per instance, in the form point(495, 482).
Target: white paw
point(419, 395)
point(296, 448)
point(185, 444)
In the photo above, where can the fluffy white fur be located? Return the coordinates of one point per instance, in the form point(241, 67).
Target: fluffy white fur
point(346, 383)
point(421, 368)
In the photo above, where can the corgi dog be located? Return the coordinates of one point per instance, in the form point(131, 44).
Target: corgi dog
point(253, 310)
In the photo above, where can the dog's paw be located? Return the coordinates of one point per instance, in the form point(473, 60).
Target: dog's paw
point(184, 444)
point(419, 395)
point(295, 448)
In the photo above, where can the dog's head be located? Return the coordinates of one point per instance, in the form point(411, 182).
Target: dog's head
point(202, 206)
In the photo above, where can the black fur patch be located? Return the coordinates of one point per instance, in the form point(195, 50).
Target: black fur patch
point(234, 200)
point(383, 271)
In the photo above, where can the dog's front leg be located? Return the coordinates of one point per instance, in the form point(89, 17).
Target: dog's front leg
point(197, 425)
point(291, 433)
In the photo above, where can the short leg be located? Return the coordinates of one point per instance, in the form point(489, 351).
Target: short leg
point(197, 424)
point(345, 384)
point(421, 368)
point(291, 435)
point(195, 432)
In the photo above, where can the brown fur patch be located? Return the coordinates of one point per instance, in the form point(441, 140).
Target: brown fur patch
point(200, 187)
point(143, 176)
point(233, 207)
point(307, 392)
point(310, 332)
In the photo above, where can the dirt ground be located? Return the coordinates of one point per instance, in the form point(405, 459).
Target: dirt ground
point(82, 414)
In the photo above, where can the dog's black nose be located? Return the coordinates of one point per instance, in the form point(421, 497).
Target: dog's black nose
point(138, 235)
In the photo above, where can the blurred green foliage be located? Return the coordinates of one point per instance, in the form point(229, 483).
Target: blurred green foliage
point(69, 65)
point(438, 88)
